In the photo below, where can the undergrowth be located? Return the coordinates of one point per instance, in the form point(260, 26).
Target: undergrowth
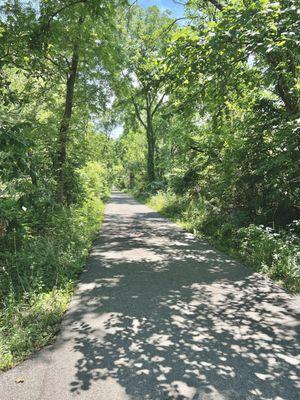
point(37, 282)
point(39, 269)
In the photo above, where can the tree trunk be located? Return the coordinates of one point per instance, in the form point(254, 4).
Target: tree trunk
point(65, 122)
point(289, 100)
point(131, 180)
point(151, 144)
point(284, 85)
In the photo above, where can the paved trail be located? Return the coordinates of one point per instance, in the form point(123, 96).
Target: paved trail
point(160, 315)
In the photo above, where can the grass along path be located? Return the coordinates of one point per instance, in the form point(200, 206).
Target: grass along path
point(38, 281)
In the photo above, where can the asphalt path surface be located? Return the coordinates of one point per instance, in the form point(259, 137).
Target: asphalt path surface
point(159, 315)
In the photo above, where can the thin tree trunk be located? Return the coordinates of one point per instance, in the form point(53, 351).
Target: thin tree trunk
point(148, 125)
point(131, 180)
point(151, 144)
point(289, 100)
point(283, 87)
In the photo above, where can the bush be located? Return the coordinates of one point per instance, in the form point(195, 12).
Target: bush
point(37, 276)
point(94, 180)
point(167, 204)
point(275, 254)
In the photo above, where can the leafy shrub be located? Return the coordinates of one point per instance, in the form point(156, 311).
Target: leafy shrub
point(94, 180)
point(276, 254)
point(168, 204)
point(37, 278)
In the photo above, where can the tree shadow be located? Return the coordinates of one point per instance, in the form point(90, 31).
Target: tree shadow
point(167, 317)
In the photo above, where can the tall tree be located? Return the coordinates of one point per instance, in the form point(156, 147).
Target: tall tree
point(88, 24)
point(146, 72)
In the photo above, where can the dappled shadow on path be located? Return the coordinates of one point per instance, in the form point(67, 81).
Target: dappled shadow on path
point(167, 317)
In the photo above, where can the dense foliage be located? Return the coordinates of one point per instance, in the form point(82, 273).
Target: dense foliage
point(227, 133)
point(59, 61)
point(209, 104)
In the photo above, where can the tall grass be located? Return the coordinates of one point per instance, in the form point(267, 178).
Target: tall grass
point(37, 281)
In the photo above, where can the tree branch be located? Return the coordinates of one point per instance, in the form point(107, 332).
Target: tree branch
point(55, 13)
point(158, 104)
point(59, 10)
point(172, 24)
point(196, 148)
point(5, 55)
point(56, 64)
point(215, 3)
point(137, 112)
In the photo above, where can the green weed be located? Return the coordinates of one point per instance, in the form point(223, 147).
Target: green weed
point(37, 282)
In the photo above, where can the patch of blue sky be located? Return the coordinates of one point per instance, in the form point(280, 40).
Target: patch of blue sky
point(176, 9)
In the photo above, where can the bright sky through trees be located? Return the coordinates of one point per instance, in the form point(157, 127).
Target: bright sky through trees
point(176, 8)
